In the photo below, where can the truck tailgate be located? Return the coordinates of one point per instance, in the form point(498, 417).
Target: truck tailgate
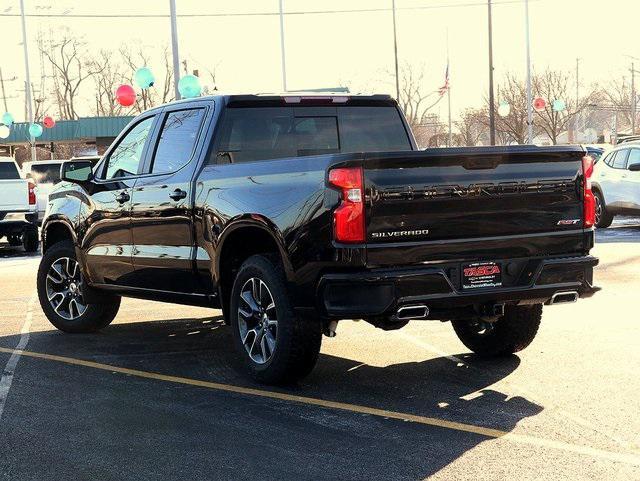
point(15, 195)
point(481, 203)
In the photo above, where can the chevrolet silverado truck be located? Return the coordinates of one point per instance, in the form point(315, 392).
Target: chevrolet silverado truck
point(18, 207)
point(291, 213)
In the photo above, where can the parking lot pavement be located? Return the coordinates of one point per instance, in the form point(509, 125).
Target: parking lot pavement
point(160, 395)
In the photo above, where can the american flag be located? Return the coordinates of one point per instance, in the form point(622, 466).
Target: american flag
point(445, 88)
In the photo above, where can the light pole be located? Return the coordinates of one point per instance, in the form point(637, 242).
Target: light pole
point(529, 95)
point(395, 49)
point(282, 51)
point(32, 139)
point(575, 120)
point(174, 48)
point(492, 112)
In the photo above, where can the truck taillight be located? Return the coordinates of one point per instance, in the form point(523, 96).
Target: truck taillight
point(348, 218)
point(589, 204)
point(32, 193)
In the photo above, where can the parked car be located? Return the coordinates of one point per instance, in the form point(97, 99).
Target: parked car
point(45, 174)
point(292, 213)
point(616, 184)
point(18, 211)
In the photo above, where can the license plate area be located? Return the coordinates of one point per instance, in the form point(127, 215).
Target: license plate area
point(479, 275)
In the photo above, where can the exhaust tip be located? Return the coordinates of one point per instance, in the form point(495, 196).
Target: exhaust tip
point(418, 311)
point(564, 297)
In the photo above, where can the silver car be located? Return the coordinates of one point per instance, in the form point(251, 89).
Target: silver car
point(616, 184)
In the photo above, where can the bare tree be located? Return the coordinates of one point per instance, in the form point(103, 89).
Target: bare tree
point(554, 85)
point(106, 82)
point(414, 100)
point(70, 69)
point(473, 127)
point(512, 128)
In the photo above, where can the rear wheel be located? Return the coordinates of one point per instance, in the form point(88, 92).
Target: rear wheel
point(30, 239)
point(275, 345)
point(512, 332)
point(62, 289)
point(603, 218)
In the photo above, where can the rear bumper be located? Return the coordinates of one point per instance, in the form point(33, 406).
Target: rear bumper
point(382, 292)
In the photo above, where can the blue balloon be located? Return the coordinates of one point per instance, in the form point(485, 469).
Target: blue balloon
point(35, 130)
point(7, 119)
point(559, 106)
point(189, 87)
point(144, 78)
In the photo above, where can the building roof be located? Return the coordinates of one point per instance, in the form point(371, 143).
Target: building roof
point(70, 130)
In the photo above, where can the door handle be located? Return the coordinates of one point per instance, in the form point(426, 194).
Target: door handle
point(122, 197)
point(178, 194)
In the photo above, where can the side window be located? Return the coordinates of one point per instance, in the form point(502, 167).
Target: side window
point(620, 162)
point(609, 159)
point(177, 140)
point(125, 159)
point(634, 157)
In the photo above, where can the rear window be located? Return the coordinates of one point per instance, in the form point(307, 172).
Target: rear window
point(8, 170)
point(261, 133)
point(46, 173)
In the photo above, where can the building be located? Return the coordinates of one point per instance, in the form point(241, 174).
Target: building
point(68, 138)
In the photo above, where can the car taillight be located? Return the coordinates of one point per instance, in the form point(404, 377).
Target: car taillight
point(32, 193)
point(348, 218)
point(589, 203)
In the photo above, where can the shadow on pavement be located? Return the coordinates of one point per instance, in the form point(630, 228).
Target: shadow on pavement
point(624, 229)
point(301, 442)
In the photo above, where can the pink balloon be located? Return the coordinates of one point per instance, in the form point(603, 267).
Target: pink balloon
point(125, 95)
point(48, 122)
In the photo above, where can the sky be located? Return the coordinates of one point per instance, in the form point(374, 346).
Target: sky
point(342, 48)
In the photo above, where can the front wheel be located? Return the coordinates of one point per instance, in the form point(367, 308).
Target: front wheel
point(275, 345)
point(62, 289)
point(512, 332)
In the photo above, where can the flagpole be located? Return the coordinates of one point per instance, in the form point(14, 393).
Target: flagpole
point(449, 91)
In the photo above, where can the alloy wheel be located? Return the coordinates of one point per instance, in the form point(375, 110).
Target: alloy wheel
point(257, 320)
point(598, 209)
point(64, 289)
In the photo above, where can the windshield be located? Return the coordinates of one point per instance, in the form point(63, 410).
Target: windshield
point(8, 170)
point(45, 173)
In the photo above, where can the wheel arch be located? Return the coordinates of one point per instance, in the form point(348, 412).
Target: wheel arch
point(246, 236)
point(57, 230)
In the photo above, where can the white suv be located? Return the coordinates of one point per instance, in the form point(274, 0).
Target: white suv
point(616, 184)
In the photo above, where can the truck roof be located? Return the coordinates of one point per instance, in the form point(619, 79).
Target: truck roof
point(292, 99)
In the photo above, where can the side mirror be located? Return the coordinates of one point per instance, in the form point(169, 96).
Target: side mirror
point(634, 167)
point(76, 171)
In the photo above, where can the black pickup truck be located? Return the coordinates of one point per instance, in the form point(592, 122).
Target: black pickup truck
point(291, 213)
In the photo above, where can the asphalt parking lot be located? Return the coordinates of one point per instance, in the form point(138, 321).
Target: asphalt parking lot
point(160, 395)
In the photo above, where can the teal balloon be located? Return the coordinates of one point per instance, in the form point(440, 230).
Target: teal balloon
point(144, 78)
point(189, 87)
point(35, 130)
point(559, 106)
point(7, 119)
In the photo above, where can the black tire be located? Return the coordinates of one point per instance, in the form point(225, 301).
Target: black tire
point(30, 240)
point(97, 315)
point(603, 218)
point(297, 341)
point(511, 333)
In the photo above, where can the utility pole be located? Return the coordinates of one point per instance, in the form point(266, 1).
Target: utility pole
point(575, 119)
point(449, 137)
point(174, 48)
point(395, 49)
point(28, 81)
point(633, 99)
point(492, 112)
point(4, 95)
point(282, 51)
point(529, 94)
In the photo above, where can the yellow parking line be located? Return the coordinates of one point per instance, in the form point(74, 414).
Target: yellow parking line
point(354, 408)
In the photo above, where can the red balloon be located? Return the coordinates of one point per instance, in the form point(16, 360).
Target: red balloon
point(539, 104)
point(125, 95)
point(48, 122)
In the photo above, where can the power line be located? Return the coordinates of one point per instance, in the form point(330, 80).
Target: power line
point(259, 14)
